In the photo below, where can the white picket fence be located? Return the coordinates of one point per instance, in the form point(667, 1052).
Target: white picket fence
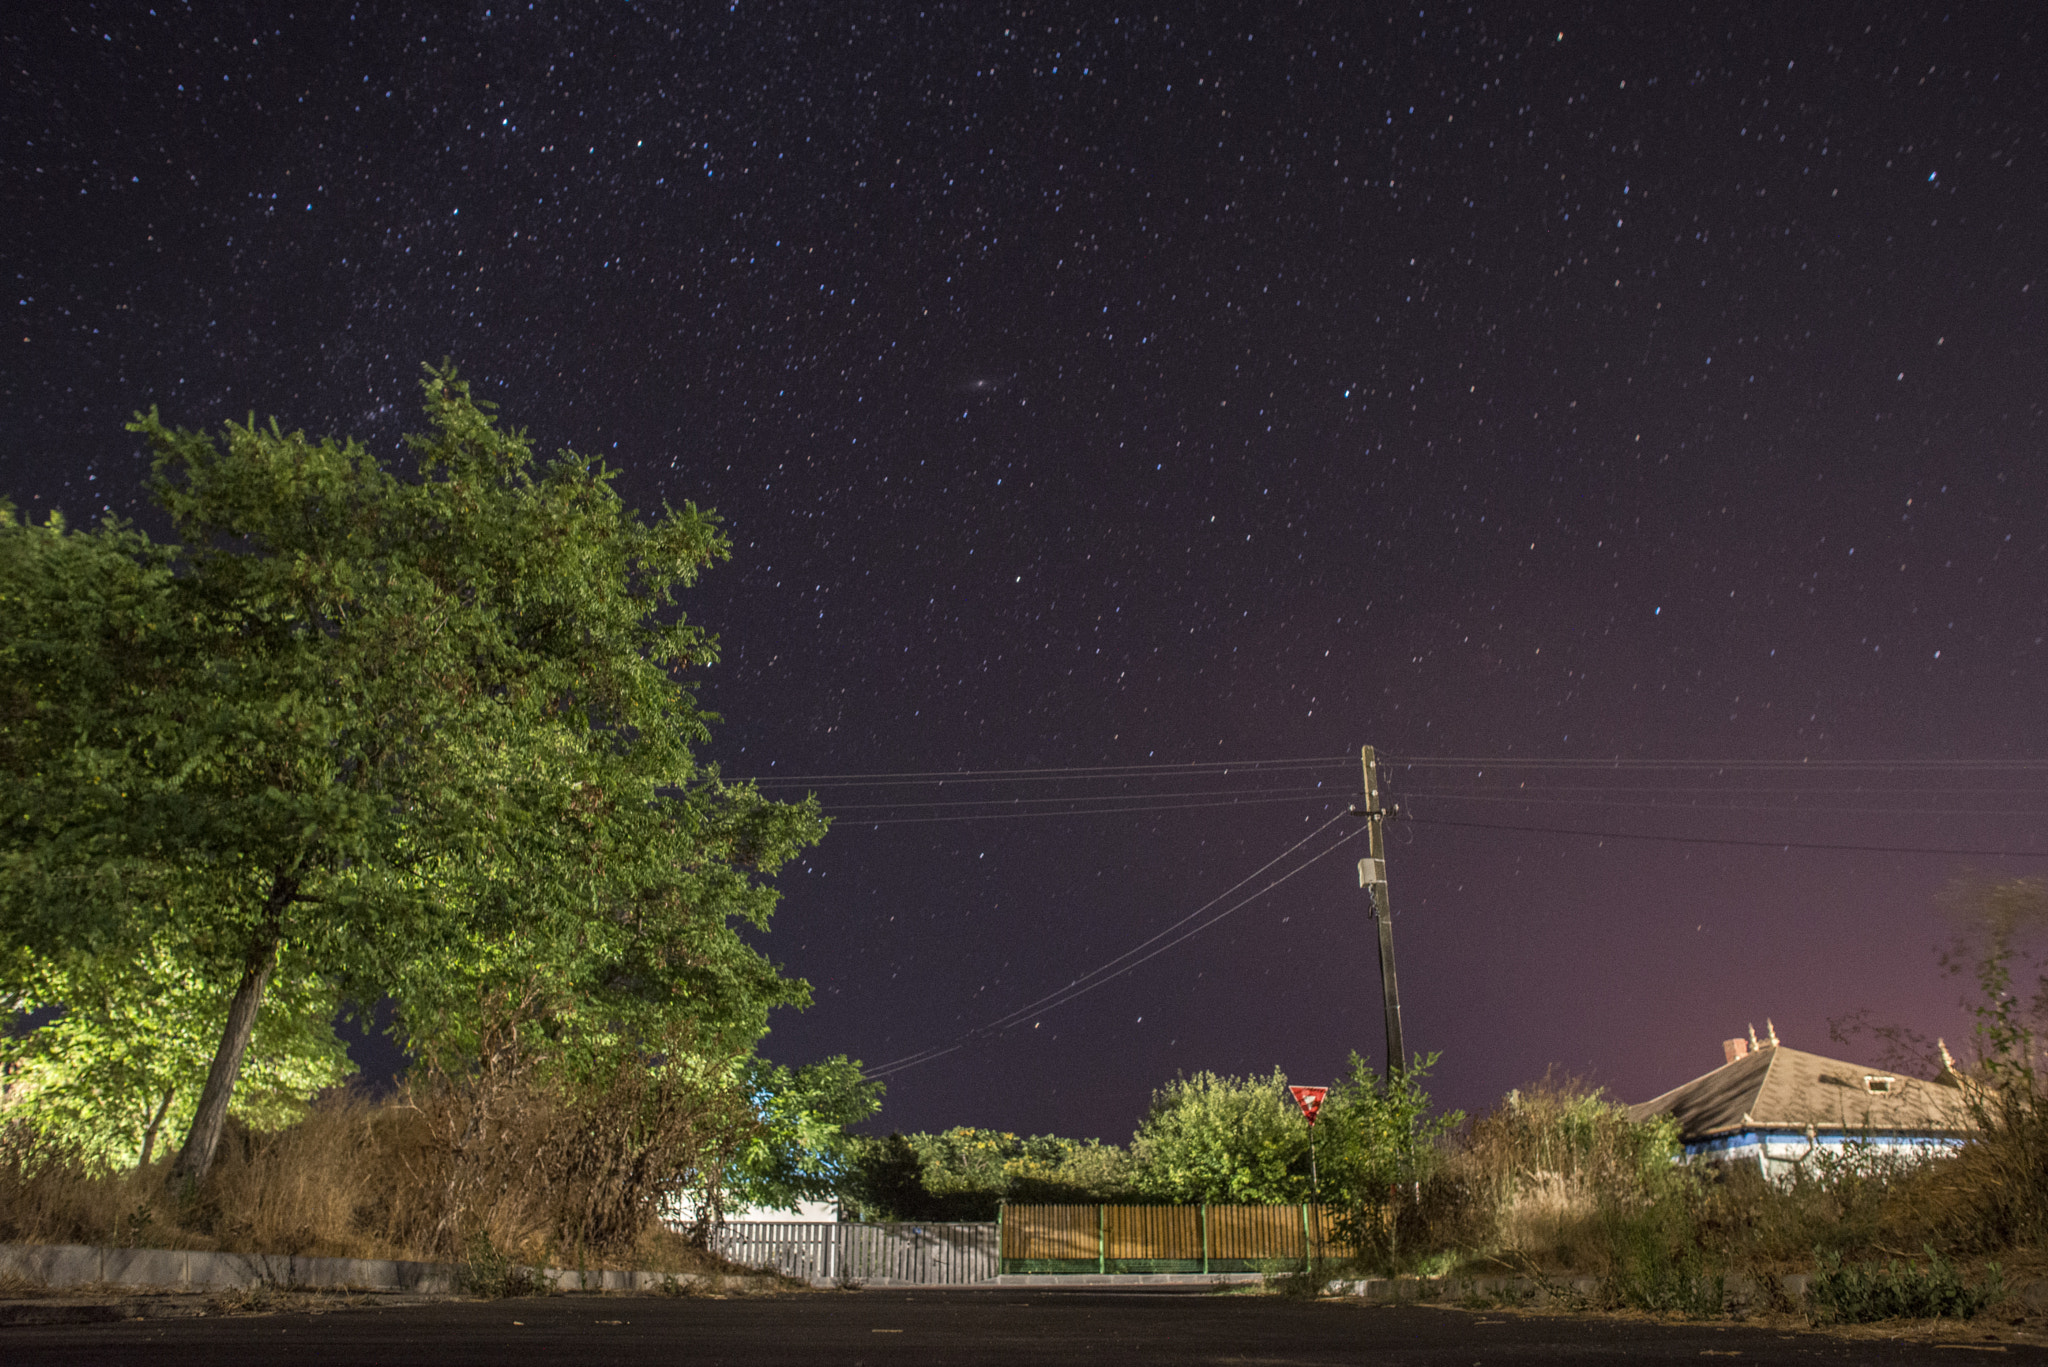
point(897, 1254)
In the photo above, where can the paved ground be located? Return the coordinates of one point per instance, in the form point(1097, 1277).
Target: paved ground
point(877, 1328)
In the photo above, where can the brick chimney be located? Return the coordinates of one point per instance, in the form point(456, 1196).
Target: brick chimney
point(1733, 1049)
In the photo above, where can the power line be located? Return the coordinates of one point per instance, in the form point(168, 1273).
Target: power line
point(1107, 776)
point(1073, 990)
point(1718, 840)
point(1616, 763)
point(1109, 970)
point(1326, 795)
point(1800, 765)
point(1915, 809)
point(906, 803)
point(1100, 811)
point(1029, 1007)
point(1106, 770)
point(1148, 949)
point(2005, 790)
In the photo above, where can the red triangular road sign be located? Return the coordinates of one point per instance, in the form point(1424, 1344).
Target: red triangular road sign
point(1310, 1099)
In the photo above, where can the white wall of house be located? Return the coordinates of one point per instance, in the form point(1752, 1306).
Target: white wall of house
point(802, 1210)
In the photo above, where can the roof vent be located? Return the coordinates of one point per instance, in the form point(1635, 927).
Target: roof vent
point(1878, 1082)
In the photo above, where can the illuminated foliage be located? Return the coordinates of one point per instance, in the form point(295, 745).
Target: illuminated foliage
point(427, 736)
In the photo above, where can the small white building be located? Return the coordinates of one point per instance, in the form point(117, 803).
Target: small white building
point(808, 1212)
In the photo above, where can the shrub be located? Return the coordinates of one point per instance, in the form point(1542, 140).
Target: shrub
point(1222, 1139)
point(1382, 1151)
point(966, 1173)
point(1857, 1294)
point(489, 1167)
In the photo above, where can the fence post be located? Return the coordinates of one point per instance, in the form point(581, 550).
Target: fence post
point(1205, 1238)
point(1306, 1255)
point(1001, 1207)
point(1102, 1240)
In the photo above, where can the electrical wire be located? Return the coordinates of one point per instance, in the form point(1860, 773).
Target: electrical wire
point(1799, 765)
point(1132, 807)
point(1060, 999)
point(1099, 969)
point(1103, 811)
point(1091, 797)
point(1603, 796)
point(1917, 809)
point(1720, 840)
point(1108, 970)
point(1105, 770)
point(1617, 763)
point(1727, 788)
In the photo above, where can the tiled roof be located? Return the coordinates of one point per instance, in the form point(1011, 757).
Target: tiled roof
point(1776, 1088)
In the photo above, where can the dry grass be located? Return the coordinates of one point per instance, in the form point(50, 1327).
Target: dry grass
point(1533, 1185)
point(1557, 1181)
point(492, 1167)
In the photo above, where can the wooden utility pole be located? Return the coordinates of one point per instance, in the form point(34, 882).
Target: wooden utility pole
point(1372, 876)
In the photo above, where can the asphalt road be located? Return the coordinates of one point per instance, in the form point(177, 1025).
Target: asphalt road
point(877, 1328)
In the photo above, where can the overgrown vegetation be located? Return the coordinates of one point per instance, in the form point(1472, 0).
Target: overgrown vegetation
point(426, 735)
point(966, 1174)
point(504, 1169)
point(1858, 1294)
point(1558, 1182)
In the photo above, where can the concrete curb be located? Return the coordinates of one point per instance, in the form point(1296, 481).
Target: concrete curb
point(1568, 1291)
point(56, 1266)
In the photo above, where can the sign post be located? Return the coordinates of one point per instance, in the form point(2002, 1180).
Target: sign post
point(1310, 1099)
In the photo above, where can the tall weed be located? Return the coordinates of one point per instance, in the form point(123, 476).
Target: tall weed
point(528, 1168)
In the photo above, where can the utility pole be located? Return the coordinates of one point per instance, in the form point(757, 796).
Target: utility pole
point(1372, 876)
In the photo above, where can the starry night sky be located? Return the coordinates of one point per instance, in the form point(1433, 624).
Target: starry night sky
point(1209, 384)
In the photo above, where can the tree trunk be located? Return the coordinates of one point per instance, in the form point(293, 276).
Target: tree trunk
point(155, 1123)
point(196, 1158)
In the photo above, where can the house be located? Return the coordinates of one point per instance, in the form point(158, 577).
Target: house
point(1777, 1107)
point(809, 1212)
point(681, 1212)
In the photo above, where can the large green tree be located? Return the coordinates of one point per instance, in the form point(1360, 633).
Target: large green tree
point(425, 734)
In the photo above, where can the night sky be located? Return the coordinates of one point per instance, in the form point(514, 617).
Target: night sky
point(1629, 428)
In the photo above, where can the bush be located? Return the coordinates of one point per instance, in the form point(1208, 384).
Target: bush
point(1858, 1294)
point(1222, 1139)
point(1996, 1195)
point(492, 1167)
point(1992, 1194)
point(966, 1174)
point(1382, 1153)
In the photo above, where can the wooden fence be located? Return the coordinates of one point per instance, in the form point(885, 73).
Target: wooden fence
point(1167, 1238)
